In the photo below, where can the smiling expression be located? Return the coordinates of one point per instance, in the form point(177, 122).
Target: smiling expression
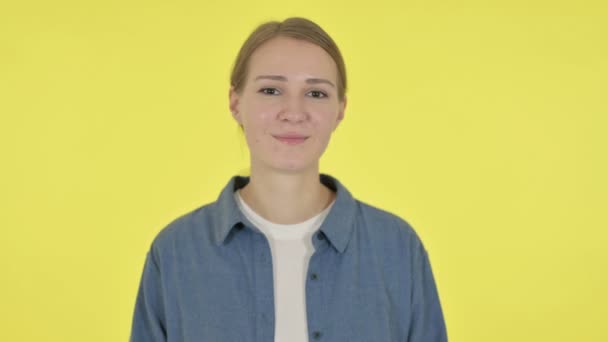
point(289, 104)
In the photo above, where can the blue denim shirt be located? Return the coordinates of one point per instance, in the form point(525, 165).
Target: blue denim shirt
point(208, 278)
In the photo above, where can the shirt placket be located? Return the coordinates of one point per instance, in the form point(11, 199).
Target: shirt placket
point(314, 295)
point(264, 289)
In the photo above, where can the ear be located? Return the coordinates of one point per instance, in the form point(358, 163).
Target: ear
point(234, 98)
point(341, 110)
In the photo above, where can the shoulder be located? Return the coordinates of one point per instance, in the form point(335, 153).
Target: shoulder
point(191, 227)
point(387, 228)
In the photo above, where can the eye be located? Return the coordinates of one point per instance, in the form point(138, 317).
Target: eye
point(318, 94)
point(271, 91)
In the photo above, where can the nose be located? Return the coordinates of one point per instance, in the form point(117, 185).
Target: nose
point(294, 109)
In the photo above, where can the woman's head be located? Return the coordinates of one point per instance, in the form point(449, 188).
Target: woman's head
point(288, 80)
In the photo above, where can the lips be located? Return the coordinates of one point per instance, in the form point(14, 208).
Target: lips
point(291, 136)
point(291, 139)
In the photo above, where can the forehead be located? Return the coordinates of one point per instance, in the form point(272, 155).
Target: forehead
point(292, 57)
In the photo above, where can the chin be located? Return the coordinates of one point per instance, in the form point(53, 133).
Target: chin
point(292, 166)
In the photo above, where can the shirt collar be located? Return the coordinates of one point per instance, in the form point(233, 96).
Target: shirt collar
point(337, 226)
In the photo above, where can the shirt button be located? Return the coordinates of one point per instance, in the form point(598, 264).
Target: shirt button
point(240, 225)
point(314, 276)
point(316, 335)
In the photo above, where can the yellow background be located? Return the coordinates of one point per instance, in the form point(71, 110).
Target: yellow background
point(481, 123)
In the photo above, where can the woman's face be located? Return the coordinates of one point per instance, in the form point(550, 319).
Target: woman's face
point(290, 89)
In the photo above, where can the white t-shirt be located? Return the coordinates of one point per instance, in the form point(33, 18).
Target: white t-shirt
point(291, 247)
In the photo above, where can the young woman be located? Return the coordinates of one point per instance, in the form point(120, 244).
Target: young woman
point(287, 254)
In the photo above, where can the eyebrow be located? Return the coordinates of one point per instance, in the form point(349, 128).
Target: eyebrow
point(284, 79)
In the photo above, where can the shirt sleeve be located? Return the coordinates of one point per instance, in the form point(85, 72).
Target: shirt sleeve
point(427, 324)
point(148, 319)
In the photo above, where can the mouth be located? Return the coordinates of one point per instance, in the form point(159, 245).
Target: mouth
point(291, 140)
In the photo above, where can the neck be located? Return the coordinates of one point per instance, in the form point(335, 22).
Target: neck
point(286, 198)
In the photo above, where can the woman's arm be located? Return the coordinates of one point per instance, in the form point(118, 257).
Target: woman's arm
point(427, 323)
point(148, 318)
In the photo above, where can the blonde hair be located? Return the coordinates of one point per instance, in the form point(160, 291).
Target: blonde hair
point(294, 27)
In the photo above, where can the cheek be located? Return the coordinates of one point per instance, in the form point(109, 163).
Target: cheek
point(259, 126)
point(324, 121)
point(258, 116)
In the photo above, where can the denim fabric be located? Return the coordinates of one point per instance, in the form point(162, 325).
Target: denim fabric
point(208, 278)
